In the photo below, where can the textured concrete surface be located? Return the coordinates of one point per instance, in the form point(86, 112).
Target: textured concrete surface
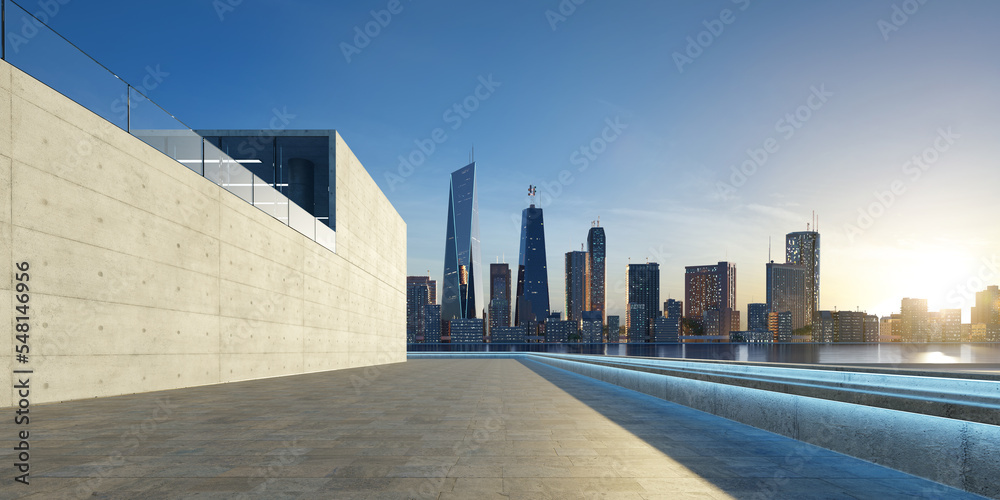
point(146, 276)
point(441, 429)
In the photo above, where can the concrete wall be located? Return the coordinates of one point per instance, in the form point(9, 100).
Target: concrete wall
point(145, 276)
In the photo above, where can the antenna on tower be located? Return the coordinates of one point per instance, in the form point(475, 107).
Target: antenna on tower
point(598, 221)
point(769, 249)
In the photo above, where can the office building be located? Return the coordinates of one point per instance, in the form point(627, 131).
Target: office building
point(802, 248)
point(596, 270)
point(462, 294)
point(508, 335)
point(532, 271)
point(757, 317)
point(419, 293)
point(872, 327)
point(432, 323)
point(950, 321)
point(673, 310)
point(711, 288)
point(592, 327)
point(987, 312)
point(786, 291)
point(614, 331)
point(499, 310)
point(576, 284)
point(666, 329)
point(914, 325)
point(642, 282)
point(849, 326)
point(467, 330)
point(561, 331)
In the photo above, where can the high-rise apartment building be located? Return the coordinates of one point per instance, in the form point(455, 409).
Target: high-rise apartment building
point(951, 325)
point(913, 323)
point(614, 331)
point(987, 312)
point(596, 267)
point(786, 291)
point(432, 323)
point(757, 317)
point(592, 327)
point(642, 282)
point(576, 285)
point(462, 293)
point(420, 291)
point(711, 288)
point(532, 271)
point(802, 248)
point(499, 310)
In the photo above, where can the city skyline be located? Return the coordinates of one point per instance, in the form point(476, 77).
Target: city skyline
point(692, 138)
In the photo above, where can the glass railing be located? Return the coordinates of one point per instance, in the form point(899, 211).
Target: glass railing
point(33, 47)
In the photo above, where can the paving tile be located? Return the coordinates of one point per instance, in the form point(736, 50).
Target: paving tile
point(429, 429)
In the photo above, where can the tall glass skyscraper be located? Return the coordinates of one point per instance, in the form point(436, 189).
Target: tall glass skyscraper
point(802, 248)
point(642, 281)
point(532, 272)
point(499, 296)
point(462, 292)
point(576, 285)
point(596, 251)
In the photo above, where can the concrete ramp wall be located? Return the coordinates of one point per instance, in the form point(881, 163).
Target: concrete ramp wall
point(145, 276)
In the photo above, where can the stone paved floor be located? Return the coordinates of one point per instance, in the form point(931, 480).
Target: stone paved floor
point(444, 429)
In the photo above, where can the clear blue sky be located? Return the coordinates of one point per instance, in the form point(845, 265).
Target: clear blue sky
point(890, 86)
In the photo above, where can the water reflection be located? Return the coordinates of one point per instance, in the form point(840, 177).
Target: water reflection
point(881, 353)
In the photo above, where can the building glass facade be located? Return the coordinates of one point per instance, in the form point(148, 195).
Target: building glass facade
point(802, 248)
point(462, 293)
point(532, 271)
point(596, 268)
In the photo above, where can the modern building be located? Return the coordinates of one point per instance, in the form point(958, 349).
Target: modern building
point(642, 282)
point(849, 326)
point(508, 335)
point(786, 291)
point(889, 328)
point(872, 327)
point(576, 285)
point(532, 271)
point(614, 331)
point(802, 248)
point(673, 310)
point(500, 297)
point(592, 327)
point(749, 336)
point(420, 291)
point(757, 317)
point(462, 294)
point(711, 288)
point(666, 329)
point(913, 324)
point(561, 331)
point(186, 257)
point(596, 269)
point(950, 321)
point(987, 312)
point(296, 163)
point(432, 323)
point(467, 330)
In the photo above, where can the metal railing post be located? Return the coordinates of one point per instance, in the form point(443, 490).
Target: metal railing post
point(3, 29)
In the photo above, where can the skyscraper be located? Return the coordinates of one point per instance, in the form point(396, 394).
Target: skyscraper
point(532, 272)
point(711, 288)
point(642, 281)
point(786, 291)
point(420, 291)
point(462, 293)
point(499, 295)
point(596, 252)
point(802, 248)
point(576, 285)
